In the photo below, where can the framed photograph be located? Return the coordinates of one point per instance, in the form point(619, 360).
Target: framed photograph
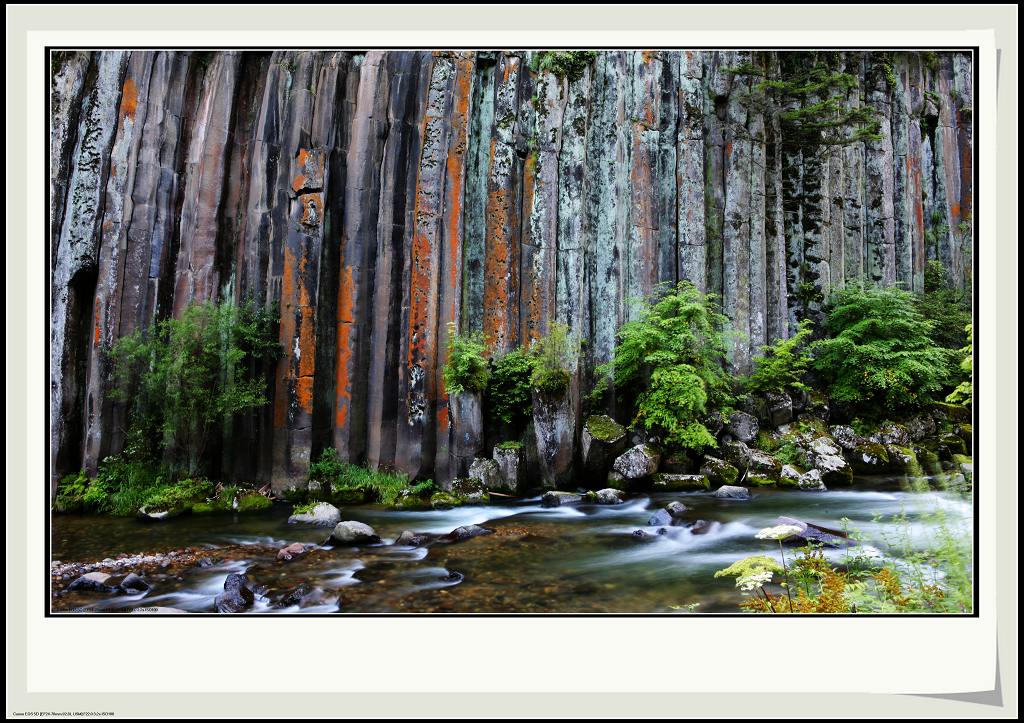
point(405, 360)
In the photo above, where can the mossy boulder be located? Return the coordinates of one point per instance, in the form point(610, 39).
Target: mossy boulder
point(669, 482)
point(953, 412)
point(951, 444)
point(759, 479)
point(342, 496)
point(870, 458)
point(903, 459)
point(719, 472)
point(928, 458)
point(442, 500)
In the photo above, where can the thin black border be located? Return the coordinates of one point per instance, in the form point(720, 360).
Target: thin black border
point(975, 56)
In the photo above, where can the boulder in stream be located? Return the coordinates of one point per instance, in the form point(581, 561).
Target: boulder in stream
point(236, 597)
point(323, 514)
point(556, 498)
point(350, 532)
point(95, 582)
point(732, 492)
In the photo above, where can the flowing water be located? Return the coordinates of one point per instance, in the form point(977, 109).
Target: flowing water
point(570, 559)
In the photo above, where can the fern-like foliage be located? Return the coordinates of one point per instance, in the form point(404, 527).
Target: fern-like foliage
point(783, 365)
point(671, 357)
point(880, 354)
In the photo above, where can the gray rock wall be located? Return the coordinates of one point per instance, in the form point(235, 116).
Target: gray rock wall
point(375, 197)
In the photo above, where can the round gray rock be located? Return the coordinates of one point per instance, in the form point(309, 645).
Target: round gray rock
point(324, 514)
point(350, 532)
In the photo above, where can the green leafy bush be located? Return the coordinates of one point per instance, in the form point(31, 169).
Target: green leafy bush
point(70, 492)
point(122, 486)
point(508, 398)
point(384, 487)
point(466, 369)
point(945, 306)
point(880, 354)
point(671, 357)
point(184, 378)
point(964, 392)
point(783, 365)
point(180, 496)
point(555, 356)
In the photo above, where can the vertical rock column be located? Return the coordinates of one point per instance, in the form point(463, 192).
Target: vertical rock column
point(416, 441)
point(111, 280)
point(690, 223)
point(308, 120)
point(75, 268)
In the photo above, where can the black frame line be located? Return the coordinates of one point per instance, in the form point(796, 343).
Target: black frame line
point(976, 75)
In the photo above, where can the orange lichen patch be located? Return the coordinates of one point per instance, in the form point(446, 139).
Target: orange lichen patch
point(129, 99)
point(649, 55)
point(96, 331)
point(304, 393)
point(443, 421)
point(312, 209)
point(299, 183)
point(344, 348)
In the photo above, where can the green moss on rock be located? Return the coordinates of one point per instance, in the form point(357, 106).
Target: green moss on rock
point(604, 428)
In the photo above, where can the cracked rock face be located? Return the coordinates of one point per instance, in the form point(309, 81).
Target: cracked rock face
point(374, 197)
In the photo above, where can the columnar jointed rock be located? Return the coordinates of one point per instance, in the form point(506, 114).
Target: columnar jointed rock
point(487, 473)
point(554, 425)
point(467, 429)
point(372, 197)
point(638, 462)
point(511, 461)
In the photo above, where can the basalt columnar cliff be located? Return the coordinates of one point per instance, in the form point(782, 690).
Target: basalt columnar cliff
point(374, 197)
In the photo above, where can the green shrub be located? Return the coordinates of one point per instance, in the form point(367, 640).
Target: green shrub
point(508, 399)
point(671, 357)
point(964, 392)
point(183, 379)
point(384, 487)
point(466, 369)
point(122, 486)
point(180, 496)
point(783, 365)
point(880, 355)
point(70, 492)
point(555, 356)
point(253, 501)
point(946, 307)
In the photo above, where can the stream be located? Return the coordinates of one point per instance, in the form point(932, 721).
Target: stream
point(569, 559)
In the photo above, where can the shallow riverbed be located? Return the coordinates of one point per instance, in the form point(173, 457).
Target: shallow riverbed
point(570, 559)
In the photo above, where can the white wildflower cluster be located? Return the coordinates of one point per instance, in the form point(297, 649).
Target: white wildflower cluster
point(754, 580)
point(779, 532)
